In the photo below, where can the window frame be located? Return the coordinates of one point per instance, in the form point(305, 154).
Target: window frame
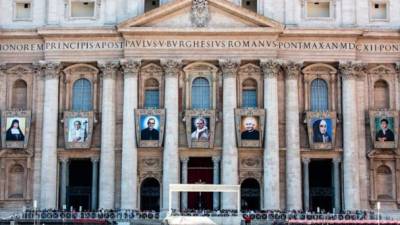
point(250, 71)
point(146, 88)
point(15, 2)
point(96, 10)
point(371, 7)
point(73, 94)
point(387, 74)
point(151, 71)
point(332, 7)
point(15, 73)
point(311, 94)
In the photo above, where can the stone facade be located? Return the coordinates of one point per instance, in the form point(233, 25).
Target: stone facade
point(278, 50)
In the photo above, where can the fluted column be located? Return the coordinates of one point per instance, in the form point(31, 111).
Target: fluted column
point(171, 155)
point(306, 183)
point(229, 150)
point(216, 160)
point(271, 147)
point(293, 164)
point(184, 200)
point(348, 72)
point(336, 183)
point(48, 187)
point(129, 149)
point(95, 178)
point(107, 156)
point(63, 182)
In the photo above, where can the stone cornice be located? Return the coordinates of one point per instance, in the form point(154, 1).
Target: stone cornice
point(292, 69)
point(108, 68)
point(172, 67)
point(229, 67)
point(51, 69)
point(130, 67)
point(270, 67)
point(351, 69)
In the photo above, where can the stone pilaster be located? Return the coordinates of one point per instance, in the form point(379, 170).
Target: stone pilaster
point(129, 148)
point(48, 186)
point(306, 183)
point(348, 71)
point(230, 172)
point(184, 200)
point(271, 70)
point(107, 156)
point(63, 182)
point(336, 184)
point(95, 178)
point(216, 160)
point(293, 164)
point(172, 69)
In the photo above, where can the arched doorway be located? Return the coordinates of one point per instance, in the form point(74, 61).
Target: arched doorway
point(250, 194)
point(150, 195)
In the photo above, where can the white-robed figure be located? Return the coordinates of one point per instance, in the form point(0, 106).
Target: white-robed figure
point(77, 134)
point(201, 132)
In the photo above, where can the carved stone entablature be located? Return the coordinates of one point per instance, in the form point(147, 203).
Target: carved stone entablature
point(229, 67)
point(382, 71)
point(150, 174)
point(292, 69)
point(251, 163)
point(243, 175)
point(270, 67)
point(149, 164)
point(351, 69)
point(108, 68)
point(19, 70)
point(51, 69)
point(250, 70)
point(172, 67)
point(130, 67)
point(200, 14)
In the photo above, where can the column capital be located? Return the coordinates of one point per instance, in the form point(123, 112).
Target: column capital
point(216, 159)
point(95, 159)
point(397, 67)
point(171, 67)
point(184, 159)
point(306, 160)
point(270, 67)
point(130, 67)
point(351, 69)
point(64, 160)
point(292, 69)
point(336, 160)
point(229, 67)
point(51, 69)
point(108, 68)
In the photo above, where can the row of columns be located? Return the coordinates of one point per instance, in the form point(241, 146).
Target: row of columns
point(229, 166)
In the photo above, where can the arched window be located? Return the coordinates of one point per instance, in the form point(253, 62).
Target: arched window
point(250, 5)
point(201, 93)
point(20, 95)
point(82, 95)
point(319, 95)
point(150, 195)
point(16, 181)
point(250, 194)
point(151, 94)
point(385, 182)
point(151, 4)
point(249, 94)
point(381, 95)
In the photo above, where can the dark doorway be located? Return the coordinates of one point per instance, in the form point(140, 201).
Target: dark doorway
point(150, 195)
point(200, 171)
point(79, 189)
point(250, 194)
point(321, 191)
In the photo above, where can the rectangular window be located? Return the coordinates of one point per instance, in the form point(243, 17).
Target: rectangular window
point(82, 9)
point(151, 99)
point(379, 11)
point(318, 9)
point(23, 10)
point(249, 99)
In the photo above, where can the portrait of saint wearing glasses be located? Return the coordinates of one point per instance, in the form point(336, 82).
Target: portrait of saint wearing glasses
point(250, 132)
point(150, 132)
point(321, 131)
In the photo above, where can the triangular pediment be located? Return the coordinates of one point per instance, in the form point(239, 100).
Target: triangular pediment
point(179, 15)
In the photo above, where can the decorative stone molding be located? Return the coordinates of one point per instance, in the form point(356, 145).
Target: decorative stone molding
point(94, 159)
point(292, 69)
point(350, 69)
point(51, 69)
point(251, 162)
point(336, 160)
point(216, 159)
point(305, 160)
point(200, 15)
point(130, 67)
point(397, 67)
point(257, 175)
point(184, 159)
point(270, 67)
point(108, 68)
point(229, 67)
point(171, 67)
